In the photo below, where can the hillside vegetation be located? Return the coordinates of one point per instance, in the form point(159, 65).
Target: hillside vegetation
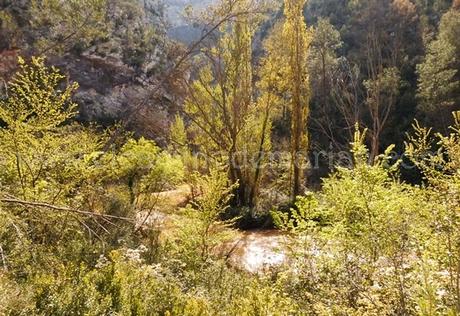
point(135, 169)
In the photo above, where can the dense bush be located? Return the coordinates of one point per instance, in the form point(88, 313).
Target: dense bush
point(69, 240)
point(368, 244)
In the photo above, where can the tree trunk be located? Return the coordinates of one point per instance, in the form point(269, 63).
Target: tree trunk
point(297, 150)
point(375, 147)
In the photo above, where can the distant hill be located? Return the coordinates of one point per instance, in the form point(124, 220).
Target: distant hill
point(180, 30)
point(175, 8)
point(186, 34)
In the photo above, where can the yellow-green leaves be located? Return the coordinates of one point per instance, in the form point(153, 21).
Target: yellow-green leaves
point(178, 133)
point(297, 39)
point(34, 100)
point(34, 144)
point(228, 122)
point(143, 168)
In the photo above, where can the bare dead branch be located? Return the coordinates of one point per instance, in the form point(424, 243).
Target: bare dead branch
point(13, 200)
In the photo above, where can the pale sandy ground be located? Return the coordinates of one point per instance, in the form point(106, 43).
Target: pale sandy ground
point(252, 251)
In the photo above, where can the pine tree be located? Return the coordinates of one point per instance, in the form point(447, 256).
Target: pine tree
point(438, 74)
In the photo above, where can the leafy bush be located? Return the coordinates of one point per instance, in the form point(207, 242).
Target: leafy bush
point(356, 241)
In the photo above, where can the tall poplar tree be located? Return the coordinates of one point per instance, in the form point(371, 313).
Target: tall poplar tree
point(229, 123)
point(297, 39)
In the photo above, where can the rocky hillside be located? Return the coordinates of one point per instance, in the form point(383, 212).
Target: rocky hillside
point(116, 66)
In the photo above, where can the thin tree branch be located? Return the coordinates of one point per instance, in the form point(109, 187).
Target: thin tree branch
point(13, 200)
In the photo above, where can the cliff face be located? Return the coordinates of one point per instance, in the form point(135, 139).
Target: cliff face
point(8, 63)
point(110, 90)
point(115, 71)
point(456, 4)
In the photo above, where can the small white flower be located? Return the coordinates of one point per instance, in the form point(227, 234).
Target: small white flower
point(376, 286)
point(133, 255)
point(441, 292)
point(102, 262)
